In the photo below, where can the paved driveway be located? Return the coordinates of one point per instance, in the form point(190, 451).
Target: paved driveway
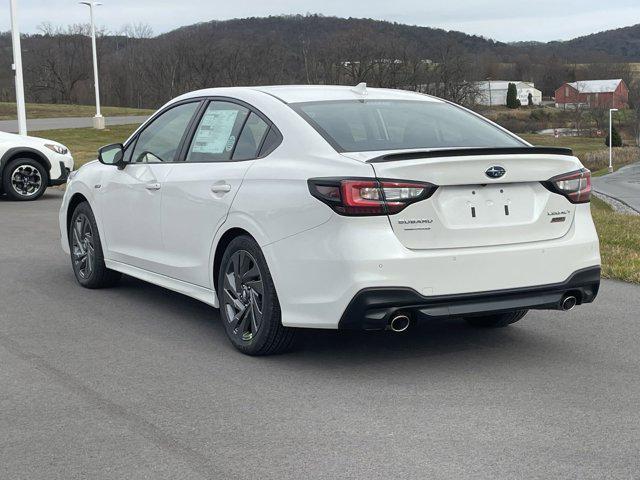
point(138, 382)
point(36, 124)
point(623, 184)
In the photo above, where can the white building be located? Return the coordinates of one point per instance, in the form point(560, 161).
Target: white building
point(494, 92)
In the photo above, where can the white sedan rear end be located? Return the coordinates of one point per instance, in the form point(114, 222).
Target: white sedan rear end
point(335, 207)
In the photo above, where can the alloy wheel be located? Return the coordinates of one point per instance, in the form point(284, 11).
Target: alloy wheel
point(243, 295)
point(26, 180)
point(83, 248)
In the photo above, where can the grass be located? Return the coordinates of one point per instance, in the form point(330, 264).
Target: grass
point(47, 110)
point(580, 145)
point(592, 152)
point(619, 242)
point(84, 142)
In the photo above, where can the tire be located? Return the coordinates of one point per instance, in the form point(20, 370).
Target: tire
point(24, 179)
point(497, 320)
point(249, 307)
point(87, 258)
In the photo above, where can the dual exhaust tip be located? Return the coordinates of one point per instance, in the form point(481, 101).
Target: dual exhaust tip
point(568, 302)
point(399, 322)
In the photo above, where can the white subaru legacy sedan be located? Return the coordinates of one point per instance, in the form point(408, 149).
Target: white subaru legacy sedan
point(334, 207)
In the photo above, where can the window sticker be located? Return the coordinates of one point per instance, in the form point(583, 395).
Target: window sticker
point(214, 132)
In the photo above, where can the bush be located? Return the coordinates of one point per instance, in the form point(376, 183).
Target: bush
point(512, 96)
point(616, 139)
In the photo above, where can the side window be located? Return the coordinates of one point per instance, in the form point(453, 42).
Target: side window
point(271, 142)
point(251, 138)
point(217, 132)
point(159, 142)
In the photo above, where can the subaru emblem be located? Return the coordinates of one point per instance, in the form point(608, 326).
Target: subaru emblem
point(495, 172)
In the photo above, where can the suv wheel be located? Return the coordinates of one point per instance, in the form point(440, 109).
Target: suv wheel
point(86, 251)
point(249, 306)
point(24, 179)
point(497, 320)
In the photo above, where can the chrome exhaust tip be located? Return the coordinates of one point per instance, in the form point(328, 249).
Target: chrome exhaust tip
point(568, 303)
point(399, 323)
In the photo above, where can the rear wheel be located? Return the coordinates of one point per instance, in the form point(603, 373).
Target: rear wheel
point(24, 179)
point(249, 305)
point(87, 258)
point(497, 320)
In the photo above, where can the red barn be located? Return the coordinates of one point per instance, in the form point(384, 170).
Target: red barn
point(593, 93)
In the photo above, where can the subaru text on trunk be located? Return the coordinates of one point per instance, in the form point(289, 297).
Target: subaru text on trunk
point(334, 207)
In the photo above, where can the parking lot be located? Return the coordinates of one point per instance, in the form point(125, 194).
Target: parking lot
point(140, 382)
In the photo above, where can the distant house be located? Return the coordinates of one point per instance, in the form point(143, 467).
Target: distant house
point(494, 92)
point(593, 94)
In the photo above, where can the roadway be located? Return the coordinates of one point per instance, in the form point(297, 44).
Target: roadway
point(139, 382)
point(623, 184)
point(38, 124)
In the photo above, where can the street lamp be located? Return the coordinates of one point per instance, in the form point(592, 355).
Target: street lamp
point(98, 120)
point(17, 66)
point(611, 110)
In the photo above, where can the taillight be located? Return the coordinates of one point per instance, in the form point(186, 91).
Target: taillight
point(357, 197)
point(576, 186)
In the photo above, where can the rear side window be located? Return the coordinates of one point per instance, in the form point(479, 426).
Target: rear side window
point(217, 133)
point(251, 138)
point(370, 125)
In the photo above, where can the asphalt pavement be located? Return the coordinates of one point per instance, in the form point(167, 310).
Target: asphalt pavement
point(623, 185)
point(37, 124)
point(139, 382)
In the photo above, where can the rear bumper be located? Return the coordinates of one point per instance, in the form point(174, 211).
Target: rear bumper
point(372, 308)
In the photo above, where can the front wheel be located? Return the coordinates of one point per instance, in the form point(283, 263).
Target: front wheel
point(249, 305)
point(24, 179)
point(87, 258)
point(497, 320)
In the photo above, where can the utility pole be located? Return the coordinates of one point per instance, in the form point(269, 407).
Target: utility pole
point(98, 120)
point(17, 67)
point(611, 110)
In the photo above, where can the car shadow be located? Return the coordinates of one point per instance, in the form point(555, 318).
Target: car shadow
point(435, 340)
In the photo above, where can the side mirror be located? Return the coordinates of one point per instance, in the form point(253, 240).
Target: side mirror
point(111, 154)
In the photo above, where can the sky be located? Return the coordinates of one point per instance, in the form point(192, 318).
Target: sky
point(504, 20)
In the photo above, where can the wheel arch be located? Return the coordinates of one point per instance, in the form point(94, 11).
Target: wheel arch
point(226, 238)
point(75, 200)
point(24, 152)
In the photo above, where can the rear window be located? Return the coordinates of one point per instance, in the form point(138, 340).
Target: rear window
point(369, 125)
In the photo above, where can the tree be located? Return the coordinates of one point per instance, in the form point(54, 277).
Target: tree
point(616, 139)
point(530, 99)
point(512, 96)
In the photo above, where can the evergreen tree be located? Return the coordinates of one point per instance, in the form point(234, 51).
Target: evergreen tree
point(512, 96)
point(617, 139)
point(530, 99)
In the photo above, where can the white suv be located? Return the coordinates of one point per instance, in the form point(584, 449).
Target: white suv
point(334, 207)
point(28, 165)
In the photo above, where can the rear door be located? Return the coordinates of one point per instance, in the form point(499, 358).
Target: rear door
point(475, 206)
point(199, 191)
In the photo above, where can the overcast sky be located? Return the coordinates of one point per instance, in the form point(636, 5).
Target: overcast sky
point(505, 20)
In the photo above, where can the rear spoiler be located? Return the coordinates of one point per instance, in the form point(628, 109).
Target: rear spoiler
point(466, 152)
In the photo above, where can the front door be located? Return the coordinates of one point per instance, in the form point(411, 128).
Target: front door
point(130, 199)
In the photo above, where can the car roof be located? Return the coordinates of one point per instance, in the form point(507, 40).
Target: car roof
point(318, 93)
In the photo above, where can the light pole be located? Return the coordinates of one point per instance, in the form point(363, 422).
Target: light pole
point(98, 120)
point(17, 66)
point(611, 110)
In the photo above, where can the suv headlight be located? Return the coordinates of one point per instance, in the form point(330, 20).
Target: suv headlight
point(57, 148)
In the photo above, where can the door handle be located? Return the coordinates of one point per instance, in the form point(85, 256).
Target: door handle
point(221, 188)
point(152, 186)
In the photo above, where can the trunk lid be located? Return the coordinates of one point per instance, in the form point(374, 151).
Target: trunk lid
point(471, 209)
